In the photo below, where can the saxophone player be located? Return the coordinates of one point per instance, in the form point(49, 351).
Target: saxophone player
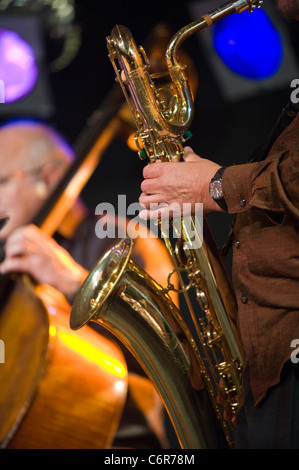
point(264, 196)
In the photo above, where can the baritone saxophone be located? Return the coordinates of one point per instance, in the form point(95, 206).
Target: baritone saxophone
point(154, 330)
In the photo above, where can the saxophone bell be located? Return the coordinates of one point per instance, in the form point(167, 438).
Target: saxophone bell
point(122, 297)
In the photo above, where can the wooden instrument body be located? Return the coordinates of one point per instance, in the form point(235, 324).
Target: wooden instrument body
point(59, 389)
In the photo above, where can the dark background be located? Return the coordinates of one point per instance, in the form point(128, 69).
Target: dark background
point(223, 129)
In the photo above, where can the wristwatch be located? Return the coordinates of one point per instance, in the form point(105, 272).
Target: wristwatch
point(215, 189)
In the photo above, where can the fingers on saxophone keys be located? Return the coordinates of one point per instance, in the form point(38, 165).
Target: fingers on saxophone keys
point(146, 186)
point(151, 206)
point(144, 214)
point(188, 149)
point(153, 214)
point(189, 155)
point(161, 211)
point(147, 199)
point(154, 170)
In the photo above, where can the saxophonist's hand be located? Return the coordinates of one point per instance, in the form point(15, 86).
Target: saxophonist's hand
point(169, 185)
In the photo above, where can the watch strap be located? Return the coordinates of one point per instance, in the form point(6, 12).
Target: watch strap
point(218, 176)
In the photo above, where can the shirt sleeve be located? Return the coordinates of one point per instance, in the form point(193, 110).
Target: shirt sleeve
point(272, 184)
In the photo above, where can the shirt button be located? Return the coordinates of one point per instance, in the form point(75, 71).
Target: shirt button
point(237, 244)
point(242, 202)
point(244, 299)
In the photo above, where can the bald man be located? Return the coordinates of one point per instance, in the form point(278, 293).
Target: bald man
point(33, 159)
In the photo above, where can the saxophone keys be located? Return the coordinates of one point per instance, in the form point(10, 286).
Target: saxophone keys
point(202, 299)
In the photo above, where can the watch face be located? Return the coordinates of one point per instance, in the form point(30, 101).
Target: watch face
point(216, 190)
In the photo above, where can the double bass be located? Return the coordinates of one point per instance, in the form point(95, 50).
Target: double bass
point(59, 389)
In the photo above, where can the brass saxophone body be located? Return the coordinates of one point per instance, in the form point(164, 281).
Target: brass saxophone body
point(154, 330)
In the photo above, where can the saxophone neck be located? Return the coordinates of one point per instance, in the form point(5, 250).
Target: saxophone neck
point(176, 70)
point(206, 20)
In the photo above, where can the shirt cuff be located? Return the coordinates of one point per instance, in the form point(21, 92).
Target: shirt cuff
point(237, 187)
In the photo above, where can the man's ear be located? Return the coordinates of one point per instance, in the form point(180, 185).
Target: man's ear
point(41, 189)
point(50, 175)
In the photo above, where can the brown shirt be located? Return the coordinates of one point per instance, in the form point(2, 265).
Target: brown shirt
point(265, 197)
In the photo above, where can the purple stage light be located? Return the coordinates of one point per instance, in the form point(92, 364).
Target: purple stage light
point(18, 69)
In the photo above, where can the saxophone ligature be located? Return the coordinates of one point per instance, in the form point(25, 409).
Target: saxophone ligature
point(189, 373)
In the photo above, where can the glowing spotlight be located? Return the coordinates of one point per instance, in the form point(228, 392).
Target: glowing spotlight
point(18, 69)
point(249, 44)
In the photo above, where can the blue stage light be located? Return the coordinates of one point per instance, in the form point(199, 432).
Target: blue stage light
point(249, 44)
